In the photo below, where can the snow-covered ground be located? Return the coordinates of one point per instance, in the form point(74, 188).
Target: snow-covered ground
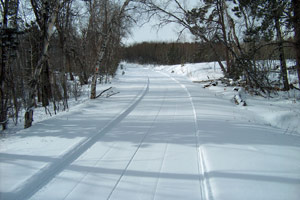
point(161, 137)
point(281, 110)
point(41, 114)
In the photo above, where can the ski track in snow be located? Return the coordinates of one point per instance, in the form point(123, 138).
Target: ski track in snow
point(139, 146)
point(201, 164)
point(162, 164)
point(169, 142)
point(46, 174)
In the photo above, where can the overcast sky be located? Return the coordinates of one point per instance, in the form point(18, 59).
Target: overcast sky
point(168, 33)
point(149, 32)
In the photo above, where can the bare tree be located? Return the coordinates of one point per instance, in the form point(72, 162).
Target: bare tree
point(296, 24)
point(46, 15)
point(197, 20)
point(9, 31)
point(64, 28)
point(109, 24)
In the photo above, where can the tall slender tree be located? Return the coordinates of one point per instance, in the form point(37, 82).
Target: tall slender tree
point(296, 24)
point(46, 14)
point(110, 25)
point(9, 32)
point(271, 23)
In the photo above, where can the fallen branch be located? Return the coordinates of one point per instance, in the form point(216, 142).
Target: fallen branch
point(293, 87)
point(214, 83)
point(103, 92)
point(4, 122)
point(109, 95)
point(205, 81)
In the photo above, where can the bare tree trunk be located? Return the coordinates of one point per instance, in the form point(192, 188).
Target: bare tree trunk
point(105, 42)
point(63, 75)
point(221, 10)
point(46, 85)
point(68, 65)
point(296, 9)
point(3, 89)
point(41, 66)
point(283, 66)
point(9, 30)
point(98, 65)
point(83, 78)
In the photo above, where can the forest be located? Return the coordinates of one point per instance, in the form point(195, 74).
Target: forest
point(50, 48)
point(170, 53)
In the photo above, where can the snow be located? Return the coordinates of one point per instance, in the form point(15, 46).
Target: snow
point(160, 137)
point(195, 72)
point(282, 110)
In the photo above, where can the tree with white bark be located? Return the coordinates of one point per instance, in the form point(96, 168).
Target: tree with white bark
point(111, 25)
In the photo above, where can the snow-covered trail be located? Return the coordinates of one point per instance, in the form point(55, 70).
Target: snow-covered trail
point(242, 159)
point(161, 137)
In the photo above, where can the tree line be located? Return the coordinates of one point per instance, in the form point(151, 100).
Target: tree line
point(49, 48)
point(170, 53)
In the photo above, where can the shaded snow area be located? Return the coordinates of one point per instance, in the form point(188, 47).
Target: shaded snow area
point(78, 95)
point(161, 136)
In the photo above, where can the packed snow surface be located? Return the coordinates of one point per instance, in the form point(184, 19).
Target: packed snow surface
point(280, 110)
point(161, 137)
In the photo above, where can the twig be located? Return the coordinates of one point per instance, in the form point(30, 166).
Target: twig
point(4, 122)
point(109, 95)
point(103, 92)
point(293, 87)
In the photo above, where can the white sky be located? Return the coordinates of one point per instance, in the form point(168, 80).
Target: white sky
point(168, 33)
point(149, 32)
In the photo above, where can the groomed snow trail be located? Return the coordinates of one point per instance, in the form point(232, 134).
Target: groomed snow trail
point(161, 137)
point(143, 153)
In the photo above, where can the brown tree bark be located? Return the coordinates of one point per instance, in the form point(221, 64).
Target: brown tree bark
point(221, 7)
point(296, 22)
point(9, 30)
point(283, 66)
point(3, 89)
